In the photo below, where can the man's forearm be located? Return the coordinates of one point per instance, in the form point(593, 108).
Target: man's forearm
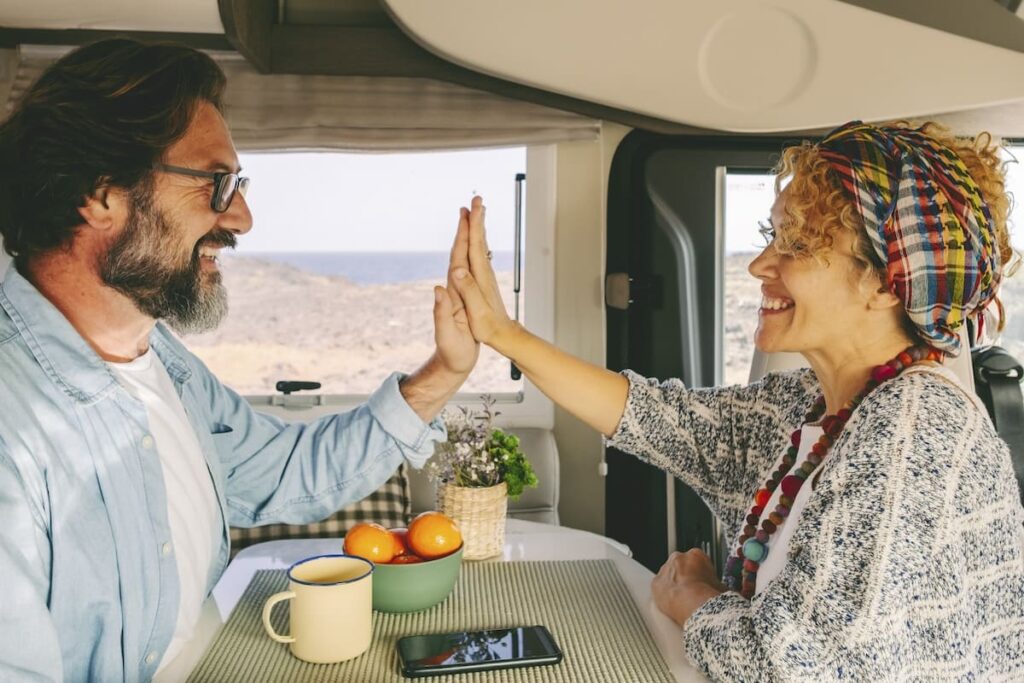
point(428, 389)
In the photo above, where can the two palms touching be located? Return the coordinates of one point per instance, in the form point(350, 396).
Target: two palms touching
point(469, 311)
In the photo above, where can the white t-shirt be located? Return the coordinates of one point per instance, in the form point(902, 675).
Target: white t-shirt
point(192, 509)
point(778, 543)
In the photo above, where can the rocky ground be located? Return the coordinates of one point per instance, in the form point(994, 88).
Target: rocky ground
point(285, 323)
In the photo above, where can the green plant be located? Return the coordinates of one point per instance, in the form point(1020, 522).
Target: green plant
point(478, 454)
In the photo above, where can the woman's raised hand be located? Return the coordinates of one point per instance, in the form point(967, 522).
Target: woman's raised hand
point(591, 393)
point(472, 276)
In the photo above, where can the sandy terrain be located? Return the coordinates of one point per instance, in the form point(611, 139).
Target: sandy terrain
point(742, 297)
point(1013, 298)
point(327, 329)
point(349, 337)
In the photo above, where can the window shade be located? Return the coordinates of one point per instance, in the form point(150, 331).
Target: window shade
point(279, 111)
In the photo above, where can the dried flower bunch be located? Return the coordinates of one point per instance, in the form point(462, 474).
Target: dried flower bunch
point(477, 454)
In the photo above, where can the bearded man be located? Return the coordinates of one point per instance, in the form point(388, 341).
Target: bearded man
point(123, 460)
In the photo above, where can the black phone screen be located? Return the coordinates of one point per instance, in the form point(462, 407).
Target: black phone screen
point(477, 650)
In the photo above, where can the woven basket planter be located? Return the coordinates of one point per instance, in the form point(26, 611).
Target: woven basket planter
point(480, 514)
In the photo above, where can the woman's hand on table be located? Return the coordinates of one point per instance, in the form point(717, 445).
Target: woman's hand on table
point(684, 583)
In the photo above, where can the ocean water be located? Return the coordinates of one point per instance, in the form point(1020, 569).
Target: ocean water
point(374, 268)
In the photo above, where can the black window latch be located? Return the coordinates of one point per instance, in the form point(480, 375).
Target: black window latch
point(288, 386)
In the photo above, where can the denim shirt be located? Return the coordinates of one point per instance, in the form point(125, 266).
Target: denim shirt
point(87, 569)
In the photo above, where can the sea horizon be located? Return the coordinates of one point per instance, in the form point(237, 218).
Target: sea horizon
point(371, 267)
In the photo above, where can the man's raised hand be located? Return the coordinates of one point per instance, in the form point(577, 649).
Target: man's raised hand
point(474, 281)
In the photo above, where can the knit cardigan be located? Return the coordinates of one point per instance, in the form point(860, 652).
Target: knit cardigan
point(907, 563)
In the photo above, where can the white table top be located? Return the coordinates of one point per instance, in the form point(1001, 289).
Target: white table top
point(523, 541)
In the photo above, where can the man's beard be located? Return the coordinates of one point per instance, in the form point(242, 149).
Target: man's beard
point(144, 265)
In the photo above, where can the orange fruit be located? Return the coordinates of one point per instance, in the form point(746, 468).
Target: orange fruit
point(406, 559)
point(433, 534)
point(400, 536)
point(370, 541)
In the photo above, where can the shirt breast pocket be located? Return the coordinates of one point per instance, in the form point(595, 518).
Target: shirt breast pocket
point(223, 437)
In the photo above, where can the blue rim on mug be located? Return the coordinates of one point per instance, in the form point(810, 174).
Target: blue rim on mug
point(332, 583)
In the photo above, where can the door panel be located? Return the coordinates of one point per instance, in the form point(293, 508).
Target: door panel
point(664, 231)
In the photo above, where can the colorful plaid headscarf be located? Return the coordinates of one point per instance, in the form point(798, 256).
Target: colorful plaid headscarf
point(927, 221)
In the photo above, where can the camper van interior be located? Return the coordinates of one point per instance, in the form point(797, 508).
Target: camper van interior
point(627, 155)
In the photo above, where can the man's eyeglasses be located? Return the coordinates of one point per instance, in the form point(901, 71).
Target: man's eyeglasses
point(225, 185)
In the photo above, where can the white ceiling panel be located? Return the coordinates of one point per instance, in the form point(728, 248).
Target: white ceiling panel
point(741, 65)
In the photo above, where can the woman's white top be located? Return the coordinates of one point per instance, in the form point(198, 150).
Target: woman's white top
point(779, 541)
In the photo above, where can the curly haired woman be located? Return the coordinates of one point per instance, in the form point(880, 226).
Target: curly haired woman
point(880, 534)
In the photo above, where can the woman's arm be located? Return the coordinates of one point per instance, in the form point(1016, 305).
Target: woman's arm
point(593, 394)
point(701, 436)
point(721, 441)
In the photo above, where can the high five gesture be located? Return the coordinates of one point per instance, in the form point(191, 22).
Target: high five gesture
point(595, 395)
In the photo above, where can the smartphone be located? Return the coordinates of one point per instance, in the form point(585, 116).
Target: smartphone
point(504, 648)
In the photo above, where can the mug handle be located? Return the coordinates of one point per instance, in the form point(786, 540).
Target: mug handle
point(267, 607)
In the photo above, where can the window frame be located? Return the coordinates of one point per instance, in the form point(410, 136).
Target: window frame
point(526, 408)
point(1014, 149)
point(721, 200)
point(669, 190)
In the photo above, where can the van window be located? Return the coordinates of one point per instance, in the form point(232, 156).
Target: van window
point(748, 199)
point(335, 281)
point(749, 195)
point(1012, 291)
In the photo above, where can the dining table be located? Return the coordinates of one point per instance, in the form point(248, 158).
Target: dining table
point(525, 541)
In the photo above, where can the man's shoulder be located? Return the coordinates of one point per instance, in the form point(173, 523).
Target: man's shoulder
point(8, 330)
point(34, 392)
point(16, 357)
point(32, 406)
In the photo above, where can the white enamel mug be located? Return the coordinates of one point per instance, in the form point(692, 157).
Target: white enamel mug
point(331, 611)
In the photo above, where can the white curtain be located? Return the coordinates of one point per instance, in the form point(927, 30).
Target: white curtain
point(360, 113)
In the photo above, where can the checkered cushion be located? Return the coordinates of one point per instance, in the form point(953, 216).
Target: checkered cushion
point(390, 505)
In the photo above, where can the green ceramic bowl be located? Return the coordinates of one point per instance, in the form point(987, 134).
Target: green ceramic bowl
point(417, 586)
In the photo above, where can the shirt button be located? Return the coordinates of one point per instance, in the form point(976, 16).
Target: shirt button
point(150, 658)
point(166, 549)
point(147, 441)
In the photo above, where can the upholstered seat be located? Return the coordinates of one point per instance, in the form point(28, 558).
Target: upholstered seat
point(389, 505)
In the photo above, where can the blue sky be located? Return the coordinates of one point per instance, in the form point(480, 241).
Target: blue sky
point(749, 199)
point(409, 202)
point(376, 202)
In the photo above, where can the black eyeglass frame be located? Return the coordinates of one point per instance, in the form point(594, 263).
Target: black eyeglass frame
point(225, 184)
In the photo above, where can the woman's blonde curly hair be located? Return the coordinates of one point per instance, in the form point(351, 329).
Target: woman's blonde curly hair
point(818, 208)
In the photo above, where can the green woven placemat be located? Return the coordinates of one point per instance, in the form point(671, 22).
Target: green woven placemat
point(584, 603)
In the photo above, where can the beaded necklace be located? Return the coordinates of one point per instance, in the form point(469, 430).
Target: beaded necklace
point(741, 568)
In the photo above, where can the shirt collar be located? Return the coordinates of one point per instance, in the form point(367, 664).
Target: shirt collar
point(61, 351)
